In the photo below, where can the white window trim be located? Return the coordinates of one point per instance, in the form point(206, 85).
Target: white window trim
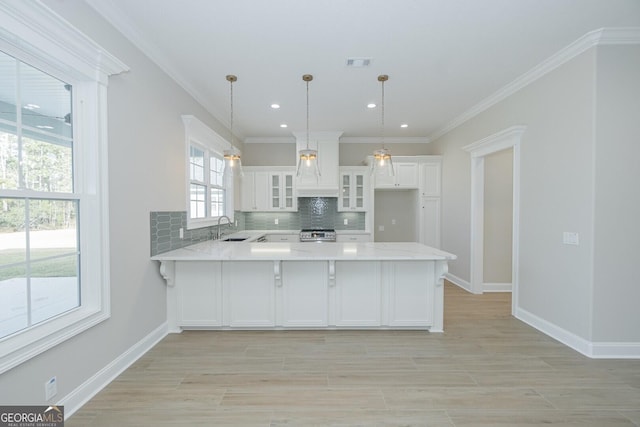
point(36, 35)
point(199, 134)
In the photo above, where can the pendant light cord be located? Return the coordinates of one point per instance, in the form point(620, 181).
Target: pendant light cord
point(307, 81)
point(382, 111)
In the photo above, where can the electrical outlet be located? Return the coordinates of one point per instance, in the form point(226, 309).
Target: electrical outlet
point(346, 221)
point(181, 233)
point(50, 388)
point(570, 238)
point(393, 222)
point(381, 228)
point(275, 221)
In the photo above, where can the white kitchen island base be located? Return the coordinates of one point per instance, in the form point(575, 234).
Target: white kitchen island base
point(300, 290)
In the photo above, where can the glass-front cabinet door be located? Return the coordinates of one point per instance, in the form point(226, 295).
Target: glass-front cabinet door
point(354, 182)
point(282, 191)
point(275, 191)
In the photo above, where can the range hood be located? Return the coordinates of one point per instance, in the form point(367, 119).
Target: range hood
point(328, 183)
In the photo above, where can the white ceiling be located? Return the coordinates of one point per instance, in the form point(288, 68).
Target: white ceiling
point(442, 56)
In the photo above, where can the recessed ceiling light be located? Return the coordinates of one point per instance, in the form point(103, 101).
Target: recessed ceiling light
point(284, 125)
point(31, 107)
point(372, 105)
point(404, 125)
point(275, 106)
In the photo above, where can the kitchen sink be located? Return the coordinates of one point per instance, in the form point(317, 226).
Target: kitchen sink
point(235, 239)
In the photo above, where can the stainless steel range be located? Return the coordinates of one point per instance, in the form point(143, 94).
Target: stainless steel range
point(317, 235)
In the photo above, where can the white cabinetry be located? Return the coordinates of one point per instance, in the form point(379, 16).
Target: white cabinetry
point(304, 294)
point(301, 293)
point(281, 191)
point(199, 296)
point(357, 294)
point(429, 221)
point(410, 301)
point(282, 237)
point(254, 186)
point(354, 189)
point(360, 237)
point(265, 189)
point(405, 177)
point(249, 294)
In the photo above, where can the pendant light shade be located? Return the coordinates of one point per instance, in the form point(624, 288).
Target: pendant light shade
point(308, 158)
point(382, 163)
point(232, 156)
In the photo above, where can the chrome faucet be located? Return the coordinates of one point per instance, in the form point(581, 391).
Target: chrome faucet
point(228, 222)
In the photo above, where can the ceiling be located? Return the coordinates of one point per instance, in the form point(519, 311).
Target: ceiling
point(442, 56)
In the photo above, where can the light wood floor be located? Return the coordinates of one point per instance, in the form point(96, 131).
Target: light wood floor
point(487, 369)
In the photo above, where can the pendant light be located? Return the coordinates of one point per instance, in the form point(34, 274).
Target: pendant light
point(232, 155)
point(308, 158)
point(382, 163)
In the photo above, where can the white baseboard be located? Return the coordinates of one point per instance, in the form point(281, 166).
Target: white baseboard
point(615, 350)
point(458, 282)
point(497, 287)
point(594, 350)
point(82, 394)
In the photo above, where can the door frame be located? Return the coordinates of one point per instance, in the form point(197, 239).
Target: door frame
point(503, 140)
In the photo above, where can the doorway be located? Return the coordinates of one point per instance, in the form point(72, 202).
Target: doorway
point(509, 138)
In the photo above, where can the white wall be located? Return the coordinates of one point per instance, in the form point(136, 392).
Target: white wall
point(556, 191)
point(146, 170)
point(498, 216)
point(616, 315)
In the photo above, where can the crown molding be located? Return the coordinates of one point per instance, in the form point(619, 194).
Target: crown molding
point(599, 37)
point(270, 140)
point(387, 140)
point(109, 11)
point(343, 140)
point(49, 32)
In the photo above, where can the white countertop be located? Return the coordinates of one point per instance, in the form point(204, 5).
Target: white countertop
point(303, 251)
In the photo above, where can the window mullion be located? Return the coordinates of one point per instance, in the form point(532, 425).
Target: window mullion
point(27, 234)
point(18, 100)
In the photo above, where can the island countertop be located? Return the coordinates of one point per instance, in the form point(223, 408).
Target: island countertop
point(304, 251)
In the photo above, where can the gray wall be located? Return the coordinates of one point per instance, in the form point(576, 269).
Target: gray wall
point(351, 154)
point(616, 290)
point(498, 216)
point(578, 173)
point(401, 207)
point(146, 170)
point(556, 191)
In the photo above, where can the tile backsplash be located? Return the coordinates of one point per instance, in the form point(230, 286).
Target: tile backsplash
point(165, 232)
point(313, 212)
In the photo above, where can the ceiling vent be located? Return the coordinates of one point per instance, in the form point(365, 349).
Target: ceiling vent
point(358, 62)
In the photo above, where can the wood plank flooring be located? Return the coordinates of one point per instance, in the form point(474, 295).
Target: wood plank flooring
point(487, 369)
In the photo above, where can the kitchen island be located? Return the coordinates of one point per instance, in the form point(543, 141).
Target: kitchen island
point(294, 285)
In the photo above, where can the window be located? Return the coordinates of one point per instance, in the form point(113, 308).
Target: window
point(210, 183)
point(54, 265)
point(39, 254)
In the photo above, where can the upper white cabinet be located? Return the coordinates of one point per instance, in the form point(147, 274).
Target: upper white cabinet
point(281, 191)
point(405, 177)
point(266, 189)
point(430, 177)
point(327, 184)
point(254, 187)
point(354, 189)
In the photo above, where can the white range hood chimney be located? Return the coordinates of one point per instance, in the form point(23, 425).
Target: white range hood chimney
point(328, 183)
